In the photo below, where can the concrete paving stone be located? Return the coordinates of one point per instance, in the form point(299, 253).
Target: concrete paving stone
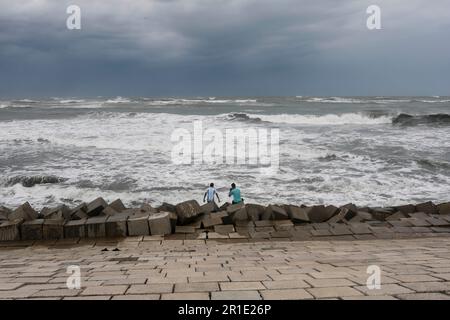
point(424, 296)
point(56, 293)
point(150, 288)
point(197, 287)
point(321, 232)
point(137, 297)
point(285, 294)
point(10, 286)
point(224, 229)
point(236, 295)
point(331, 292)
point(428, 286)
point(386, 289)
point(444, 276)
point(185, 296)
point(415, 278)
point(88, 298)
point(286, 284)
point(369, 298)
point(323, 283)
point(105, 290)
point(238, 285)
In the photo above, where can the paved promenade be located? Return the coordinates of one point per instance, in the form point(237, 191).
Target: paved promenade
point(151, 268)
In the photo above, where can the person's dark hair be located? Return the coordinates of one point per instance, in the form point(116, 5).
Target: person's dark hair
point(233, 185)
point(211, 184)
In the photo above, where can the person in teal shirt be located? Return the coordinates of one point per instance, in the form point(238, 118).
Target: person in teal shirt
point(235, 193)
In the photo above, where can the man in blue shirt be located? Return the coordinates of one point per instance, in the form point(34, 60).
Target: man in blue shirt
point(235, 193)
point(209, 194)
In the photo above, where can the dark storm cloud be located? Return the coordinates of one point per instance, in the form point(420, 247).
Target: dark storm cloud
point(218, 47)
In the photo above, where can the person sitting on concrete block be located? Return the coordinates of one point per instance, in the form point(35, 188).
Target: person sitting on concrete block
point(236, 194)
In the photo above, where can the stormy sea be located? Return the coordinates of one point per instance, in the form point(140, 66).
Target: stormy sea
point(332, 150)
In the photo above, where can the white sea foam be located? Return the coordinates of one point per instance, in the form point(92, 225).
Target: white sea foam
point(329, 119)
point(118, 100)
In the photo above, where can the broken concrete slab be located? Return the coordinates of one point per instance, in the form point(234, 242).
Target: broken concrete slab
point(187, 211)
point(343, 215)
point(96, 207)
point(95, 227)
point(427, 207)
point(239, 215)
point(396, 216)
point(53, 229)
point(138, 226)
point(79, 212)
point(159, 224)
point(297, 214)
point(167, 207)
point(109, 211)
point(273, 212)
point(147, 208)
point(25, 212)
point(321, 213)
point(58, 213)
point(32, 229)
point(211, 220)
point(75, 229)
point(117, 205)
point(406, 209)
point(209, 207)
point(254, 211)
point(444, 208)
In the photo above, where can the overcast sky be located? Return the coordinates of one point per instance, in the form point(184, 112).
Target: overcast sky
point(224, 47)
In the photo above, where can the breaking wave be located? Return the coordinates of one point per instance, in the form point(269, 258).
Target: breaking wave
point(328, 119)
point(31, 181)
point(404, 119)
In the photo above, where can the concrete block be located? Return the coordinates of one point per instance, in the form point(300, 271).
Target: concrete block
point(24, 212)
point(53, 229)
point(116, 226)
point(75, 229)
point(95, 227)
point(32, 230)
point(187, 211)
point(96, 207)
point(159, 224)
point(138, 226)
point(10, 230)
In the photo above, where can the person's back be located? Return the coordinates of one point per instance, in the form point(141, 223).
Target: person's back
point(210, 193)
point(235, 193)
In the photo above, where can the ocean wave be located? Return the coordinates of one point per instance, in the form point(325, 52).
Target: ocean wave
point(70, 101)
point(352, 100)
point(405, 119)
point(374, 100)
point(30, 181)
point(212, 100)
point(328, 119)
point(118, 100)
